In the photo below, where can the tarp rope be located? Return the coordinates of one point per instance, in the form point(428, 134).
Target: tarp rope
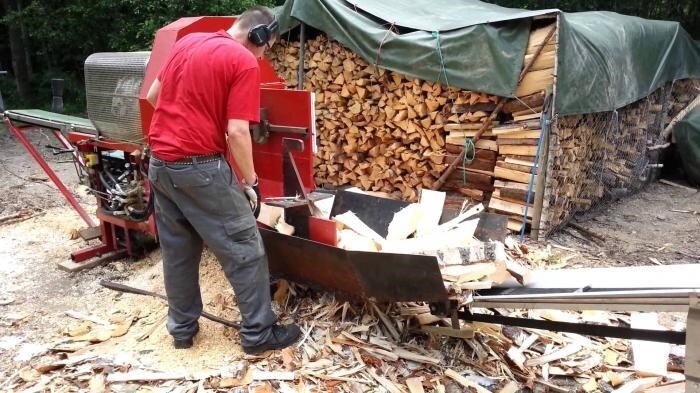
point(468, 142)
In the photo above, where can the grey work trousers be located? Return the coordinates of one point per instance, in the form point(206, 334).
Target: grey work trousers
point(203, 203)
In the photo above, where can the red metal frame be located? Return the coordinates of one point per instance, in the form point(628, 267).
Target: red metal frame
point(19, 133)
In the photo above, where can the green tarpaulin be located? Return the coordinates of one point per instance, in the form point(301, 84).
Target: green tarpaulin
point(687, 136)
point(607, 60)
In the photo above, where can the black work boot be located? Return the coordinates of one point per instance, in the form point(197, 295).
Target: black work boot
point(184, 343)
point(282, 336)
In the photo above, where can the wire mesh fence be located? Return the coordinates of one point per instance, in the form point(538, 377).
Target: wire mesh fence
point(597, 158)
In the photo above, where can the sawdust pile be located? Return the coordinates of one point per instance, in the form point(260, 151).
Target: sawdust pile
point(346, 347)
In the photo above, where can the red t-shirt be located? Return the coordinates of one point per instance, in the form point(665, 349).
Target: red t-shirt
point(207, 79)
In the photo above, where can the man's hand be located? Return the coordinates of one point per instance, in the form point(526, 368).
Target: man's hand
point(252, 192)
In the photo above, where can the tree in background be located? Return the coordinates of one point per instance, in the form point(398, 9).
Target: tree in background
point(20, 64)
point(685, 11)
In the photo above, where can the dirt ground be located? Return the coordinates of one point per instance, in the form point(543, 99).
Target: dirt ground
point(657, 226)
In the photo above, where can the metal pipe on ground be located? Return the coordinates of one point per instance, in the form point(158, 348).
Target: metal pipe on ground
point(138, 291)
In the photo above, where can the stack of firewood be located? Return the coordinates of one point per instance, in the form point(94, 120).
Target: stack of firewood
point(383, 131)
point(378, 130)
point(517, 140)
point(599, 155)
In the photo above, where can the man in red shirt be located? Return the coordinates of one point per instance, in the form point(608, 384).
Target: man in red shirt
point(205, 97)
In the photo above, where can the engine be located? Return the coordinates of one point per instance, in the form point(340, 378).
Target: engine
point(113, 82)
point(122, 182)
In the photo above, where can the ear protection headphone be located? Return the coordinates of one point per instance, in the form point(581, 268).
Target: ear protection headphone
point(260, 35)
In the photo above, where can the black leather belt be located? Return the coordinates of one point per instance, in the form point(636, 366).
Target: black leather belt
point(191, 160)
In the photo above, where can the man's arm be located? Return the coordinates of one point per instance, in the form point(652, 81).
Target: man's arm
point(153, 91)
point(241, 147)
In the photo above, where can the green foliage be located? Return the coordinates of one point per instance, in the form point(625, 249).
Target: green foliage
point(685, 11)
point(61, 34)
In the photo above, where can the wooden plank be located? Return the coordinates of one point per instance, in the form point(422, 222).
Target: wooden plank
point(510, 184)
point(461, 219)
point(528, 111)
point(562, 353)
point(431, 203)
point(455, 132)
point(471, 170)
point(537, 36)
point(464, 273)
point(526, 134)
point(350, 220)
point(508, 207)
point(517, 141)
point(90, 233)
point(465, 382)
point(405, 222)
point(510, 195)
point(511, 160)
point(545, 60)
point(529, 159)
point(530, 116)
point(550, 47)
point(648, 357)
point(456, 184)
point(518, 150)
point(464, 332)
point(487, 144)
point(478, 163)
point(517, 127)
point(472, 177)
point(692, 346)
point(509, 174)
point(480, 153)
point(515, 167)
point(465, 126)
point(535, 81)
point(515, 195)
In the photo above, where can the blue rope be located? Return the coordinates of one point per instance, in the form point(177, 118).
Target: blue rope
point(535, 168)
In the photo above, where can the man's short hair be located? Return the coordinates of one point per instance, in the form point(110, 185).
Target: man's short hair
point(258, 15)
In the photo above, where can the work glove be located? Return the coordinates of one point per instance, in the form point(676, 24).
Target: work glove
point(252, 192)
